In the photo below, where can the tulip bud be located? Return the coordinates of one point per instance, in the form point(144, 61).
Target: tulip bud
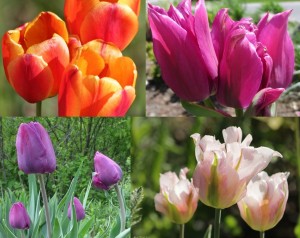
point(223, 170)
point(111, 21)
point(34, 59)
point(18, 216)
point(80, 213)
point(178, 198)
point(265, 201)
point(98, 82)
point(34, 149)
point(107, 172)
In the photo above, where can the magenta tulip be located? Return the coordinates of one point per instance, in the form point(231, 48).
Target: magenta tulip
point(264, 204)
point(251, 58)
point(107, 172)
point(274, 36)
point(80, 213)
point(183, 48)
point(18, 216)
point(34, 149)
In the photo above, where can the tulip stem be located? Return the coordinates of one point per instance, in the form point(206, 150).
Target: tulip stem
point(262, 234)
point(45, 200)
point(38, 109)
point(22, 234)
point(297, 140)
point(122, 207)
point(239, 112)
point(208, 103)
point(181, 230)
point(217, 223)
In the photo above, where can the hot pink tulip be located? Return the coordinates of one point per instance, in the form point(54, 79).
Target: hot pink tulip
point(264, 204)
point(34, 149)
point(223, 170)
point(183, 48)
point(251, 58)
point(18, 216)
point(178, 198)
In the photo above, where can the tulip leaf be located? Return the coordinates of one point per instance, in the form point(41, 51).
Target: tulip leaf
point(199, 110)
point(124, 234)
point(87, 194)
point(4, 229)
point(84, 227)
point(116, 229)
point(57, 232)
point(208, 232)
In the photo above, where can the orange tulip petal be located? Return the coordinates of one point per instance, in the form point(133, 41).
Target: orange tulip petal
point(69, 92)
point(111, 22)
point(10, 48)
point(75, 12)
point(43, 27)
point(31, 77)
point(74, 44)
point(123, 70)
point(105, 50)
point(133, 4)
point(56, 54)
point(119, 103)
point(89, 62)
point(95, 93)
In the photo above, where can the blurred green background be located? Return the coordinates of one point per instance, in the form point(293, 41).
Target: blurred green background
point(14, 13)
point(161, 145)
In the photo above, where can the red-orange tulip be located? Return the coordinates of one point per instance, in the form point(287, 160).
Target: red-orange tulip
point(114, 21)
point(98, 82)
point(35, 56)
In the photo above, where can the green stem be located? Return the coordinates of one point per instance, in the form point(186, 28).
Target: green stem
point(46, 206)
point(181, 230)
point(208, 103)
point(262, 234)
point(122, 207)
point(217, 223)
point(38, 109)
point(22, 234)
point(239, 112)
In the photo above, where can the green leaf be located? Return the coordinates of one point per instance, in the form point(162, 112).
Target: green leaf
point(87, 194)
point(199, 110)
point(136, 199)
point(5, 230)
point(84, 227)
point(208, 232)
point(124, 234)
point(116, 229)
point(57, 232)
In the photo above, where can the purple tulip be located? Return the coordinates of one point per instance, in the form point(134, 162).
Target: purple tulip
point(184, 50)
point(80, 213)
point(108, 172)
point(251, 58)
point(18, 216)
point(34, 149)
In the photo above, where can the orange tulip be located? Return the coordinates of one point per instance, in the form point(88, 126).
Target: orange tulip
point(35, 56)
point(114, 21)
point(98, 82)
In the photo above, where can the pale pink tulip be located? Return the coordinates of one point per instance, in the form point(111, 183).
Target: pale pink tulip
point(178, 198)
point(223, 170)
point(265, 201)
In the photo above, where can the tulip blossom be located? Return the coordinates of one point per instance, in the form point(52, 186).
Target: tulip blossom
point(265, 201)
point(184, 50)
point(111, 21)
point(98, 82)
point(80, 213)
point(18, 216)
point(107, 172)
point(224, 169)
point(35, 56)
point(34, 149)
point(252, 58)
point(178, 198)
